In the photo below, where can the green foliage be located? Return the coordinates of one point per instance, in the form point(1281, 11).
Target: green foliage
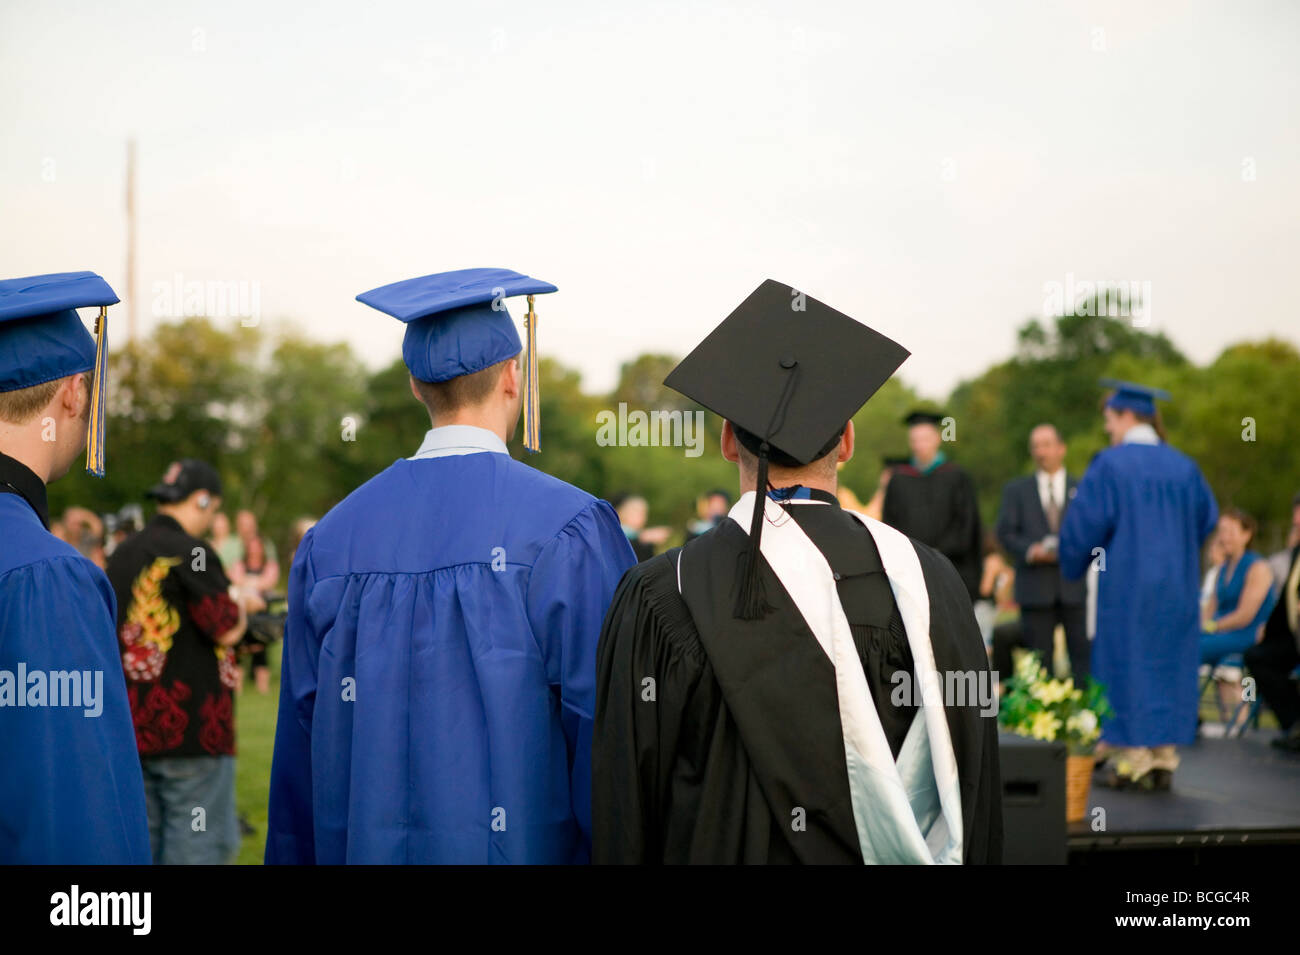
point(295, 425)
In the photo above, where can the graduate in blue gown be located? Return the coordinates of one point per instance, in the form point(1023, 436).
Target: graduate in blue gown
point(438, 677)
point(71, 791)
point(1150, 509)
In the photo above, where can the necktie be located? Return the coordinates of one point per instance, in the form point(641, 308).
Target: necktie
point(1053, 509)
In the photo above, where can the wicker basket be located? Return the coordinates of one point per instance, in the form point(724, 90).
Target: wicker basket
point(1078, 778)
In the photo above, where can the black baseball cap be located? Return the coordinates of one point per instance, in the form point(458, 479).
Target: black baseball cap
point(183, 478)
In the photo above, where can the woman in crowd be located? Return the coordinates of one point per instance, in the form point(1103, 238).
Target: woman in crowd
point(1241, 601)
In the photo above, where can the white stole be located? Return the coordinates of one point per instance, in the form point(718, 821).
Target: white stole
point(906, 812)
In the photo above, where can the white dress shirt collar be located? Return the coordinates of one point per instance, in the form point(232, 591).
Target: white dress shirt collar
point(453, 439)
point(1057, 486)
point(1141, 433)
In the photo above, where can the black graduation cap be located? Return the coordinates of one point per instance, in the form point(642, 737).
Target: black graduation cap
point(791, 371)
point(923, 417)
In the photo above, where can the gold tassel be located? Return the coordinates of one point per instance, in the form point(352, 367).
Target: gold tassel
point(98, 387)
point(532, 406)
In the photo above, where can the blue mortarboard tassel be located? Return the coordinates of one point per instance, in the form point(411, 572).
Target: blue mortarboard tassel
point(98, 413)
point(532, 405)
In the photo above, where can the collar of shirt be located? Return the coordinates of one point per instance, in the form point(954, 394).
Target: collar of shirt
point(453, 439)
point(938, 460)
point(1141, 433)
point(1057, 485)
point(798, 494)
point(18, 478)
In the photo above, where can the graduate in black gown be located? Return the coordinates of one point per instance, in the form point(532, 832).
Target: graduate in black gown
point(777, 690)
point(932, 499)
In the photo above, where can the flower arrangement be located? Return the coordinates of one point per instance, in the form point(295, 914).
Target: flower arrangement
point(1048, 709)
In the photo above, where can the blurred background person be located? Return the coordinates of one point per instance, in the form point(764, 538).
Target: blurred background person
point(1029, 521)
point(932, 499)
point(1280, 562)
point(268, 577)
point(1242, 598)
point(997, 585)
point(177, 627)
point(1273, 661)
point(228, 546)
point(876, 506)
point(709, 510)
point(633, 511)
point(85, 532)
point(1213, 561)
point(255, 573)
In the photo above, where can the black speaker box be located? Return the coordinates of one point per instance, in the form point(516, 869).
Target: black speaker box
point(1033, 800)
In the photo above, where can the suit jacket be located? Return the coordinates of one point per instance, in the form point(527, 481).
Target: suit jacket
point(1021, 522)
point(1277, 625)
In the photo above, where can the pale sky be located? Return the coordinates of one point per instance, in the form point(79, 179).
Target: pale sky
point(926, 168)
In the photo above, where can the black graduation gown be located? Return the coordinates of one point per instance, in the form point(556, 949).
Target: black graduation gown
point(939, 509)
point(740, 727)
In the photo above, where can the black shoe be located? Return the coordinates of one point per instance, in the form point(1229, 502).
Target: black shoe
point(246, 828)
point(1162, 780)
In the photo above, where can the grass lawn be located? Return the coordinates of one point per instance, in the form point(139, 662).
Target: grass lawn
point(255, 736)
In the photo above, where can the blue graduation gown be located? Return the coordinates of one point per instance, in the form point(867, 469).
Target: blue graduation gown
point(71, 790)
point(438, 677)
point(1151, 509)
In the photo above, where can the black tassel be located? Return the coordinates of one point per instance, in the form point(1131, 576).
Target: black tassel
point(751, 599)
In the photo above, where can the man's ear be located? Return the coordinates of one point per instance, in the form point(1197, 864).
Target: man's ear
point(846, 444)
point(730, 446)
point(415, 392)
point(512, 379)
point(72, 396)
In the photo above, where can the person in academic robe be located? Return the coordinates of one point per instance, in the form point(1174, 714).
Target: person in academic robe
point(1028, 528)
point(933, 500)
point(70, 785)
point(438, 676)
point(1141, 514)
point(776, 689)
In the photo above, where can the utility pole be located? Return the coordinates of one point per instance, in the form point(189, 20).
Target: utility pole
point(130, 241)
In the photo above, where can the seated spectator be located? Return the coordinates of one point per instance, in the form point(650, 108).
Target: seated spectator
point(1242, 599)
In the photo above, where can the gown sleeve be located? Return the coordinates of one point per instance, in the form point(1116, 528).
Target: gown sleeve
point(963, 524)
point(647, 673)
point(1207, 509)
point(569, 590)
point(71, 791)
point(1089, 520)
point(290, 837)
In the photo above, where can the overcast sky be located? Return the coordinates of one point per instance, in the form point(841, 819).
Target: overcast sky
point(927, 168)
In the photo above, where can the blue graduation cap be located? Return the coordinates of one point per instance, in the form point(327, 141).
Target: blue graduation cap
point(42, 339)
point(457, 324)
point(1138, 399)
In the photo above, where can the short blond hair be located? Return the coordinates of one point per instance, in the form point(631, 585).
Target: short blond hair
point(20, 406)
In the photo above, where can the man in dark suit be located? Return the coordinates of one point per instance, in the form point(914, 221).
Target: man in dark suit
point(1033, 508)
point(1272, 660)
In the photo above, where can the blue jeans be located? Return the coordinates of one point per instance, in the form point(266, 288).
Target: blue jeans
point(191, 805)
